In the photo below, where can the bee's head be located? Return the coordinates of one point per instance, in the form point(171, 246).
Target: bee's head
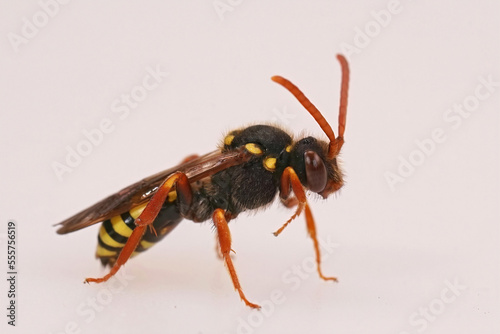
point(316, 171)
point(315, 161)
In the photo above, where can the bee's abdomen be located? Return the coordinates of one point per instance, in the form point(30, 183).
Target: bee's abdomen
point(114, 232)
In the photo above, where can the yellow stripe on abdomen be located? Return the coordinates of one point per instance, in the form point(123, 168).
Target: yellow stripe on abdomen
point(120, 227)
point(136, 211)
point(146, 244)
point(106, 238)
point(115, 232)
point(103, 252)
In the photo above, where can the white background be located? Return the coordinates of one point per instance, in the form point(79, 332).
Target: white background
point(397, 249)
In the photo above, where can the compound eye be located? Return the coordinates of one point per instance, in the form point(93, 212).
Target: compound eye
point(315, 172)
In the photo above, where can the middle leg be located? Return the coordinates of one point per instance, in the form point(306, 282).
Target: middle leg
point(224, 236)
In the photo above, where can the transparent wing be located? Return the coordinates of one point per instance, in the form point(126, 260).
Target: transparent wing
point(140, 192)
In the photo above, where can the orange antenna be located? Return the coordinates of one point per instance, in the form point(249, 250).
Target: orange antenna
point(344, 89)
point(309, 107)
point(335, 143)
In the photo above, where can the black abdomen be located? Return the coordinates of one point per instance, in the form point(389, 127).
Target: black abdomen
point(115, 232)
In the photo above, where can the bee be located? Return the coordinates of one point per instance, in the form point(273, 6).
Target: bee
point(251, 167)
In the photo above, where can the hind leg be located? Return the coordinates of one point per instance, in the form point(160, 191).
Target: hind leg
point(146, 219)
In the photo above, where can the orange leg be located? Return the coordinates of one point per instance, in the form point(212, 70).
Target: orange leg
point(311, 228)
point(225, 247)
point(290, 202)
point(146, 218)
point(219, 252)
point(189, 158)
point(289, 180)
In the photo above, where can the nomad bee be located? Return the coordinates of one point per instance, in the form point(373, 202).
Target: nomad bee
point(252, 165)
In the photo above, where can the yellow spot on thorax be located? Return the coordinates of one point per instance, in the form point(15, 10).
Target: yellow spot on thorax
point(270, 164)
point(253, 148)
point(228, 140)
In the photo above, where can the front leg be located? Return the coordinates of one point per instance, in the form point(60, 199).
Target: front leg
point(290, 181)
